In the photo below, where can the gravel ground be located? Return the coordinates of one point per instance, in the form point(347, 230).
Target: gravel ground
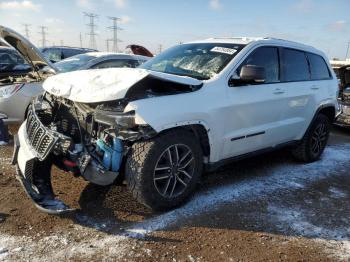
point(266, 208)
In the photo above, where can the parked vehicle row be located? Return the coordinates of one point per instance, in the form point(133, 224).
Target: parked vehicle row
point(194, 107)
point(20, 82)
point(58, 53)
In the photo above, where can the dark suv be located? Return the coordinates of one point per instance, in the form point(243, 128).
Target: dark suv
point(58, 53)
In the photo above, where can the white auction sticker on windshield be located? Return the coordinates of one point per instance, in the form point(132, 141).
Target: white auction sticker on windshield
point(224, 50)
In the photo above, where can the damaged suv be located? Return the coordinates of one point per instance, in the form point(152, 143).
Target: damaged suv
point(194, 107)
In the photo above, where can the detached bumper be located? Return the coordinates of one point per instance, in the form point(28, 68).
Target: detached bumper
point(35, 180)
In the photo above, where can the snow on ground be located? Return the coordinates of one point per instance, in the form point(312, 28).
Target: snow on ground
point(286, 176)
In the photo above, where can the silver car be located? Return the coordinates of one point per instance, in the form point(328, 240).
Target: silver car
point(17, 91)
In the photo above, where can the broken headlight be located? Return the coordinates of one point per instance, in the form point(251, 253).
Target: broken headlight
point(119, 119)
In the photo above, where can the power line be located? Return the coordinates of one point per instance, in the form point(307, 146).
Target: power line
point(43, 34)
point(91, 25)
point(115, 28)
point(26, 30)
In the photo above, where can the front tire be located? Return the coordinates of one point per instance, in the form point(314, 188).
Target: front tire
point(314, 141)
point(163, 172)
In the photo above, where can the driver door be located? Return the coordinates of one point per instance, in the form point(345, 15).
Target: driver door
point(255, 110)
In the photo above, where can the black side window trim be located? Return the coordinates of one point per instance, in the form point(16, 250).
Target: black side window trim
point(280, 52)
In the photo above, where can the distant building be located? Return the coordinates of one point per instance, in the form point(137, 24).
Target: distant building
point(335, 63)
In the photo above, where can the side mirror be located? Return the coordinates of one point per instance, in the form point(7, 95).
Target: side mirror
point(250, 74)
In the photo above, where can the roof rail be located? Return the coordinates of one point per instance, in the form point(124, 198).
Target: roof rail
point(243, 38)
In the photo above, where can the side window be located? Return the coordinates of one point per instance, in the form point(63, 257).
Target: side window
point(115, 63)
point(294, 66)
point(266, 57)
point(319, 68)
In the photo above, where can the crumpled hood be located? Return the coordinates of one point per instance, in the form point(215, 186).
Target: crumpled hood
point(99, 85)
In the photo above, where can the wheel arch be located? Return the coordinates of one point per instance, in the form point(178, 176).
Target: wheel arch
point(199, 130)
point(327, 110)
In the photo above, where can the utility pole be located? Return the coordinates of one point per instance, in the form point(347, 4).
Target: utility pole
point(115, 29)
point(81, 40)
point(107, 45)
point(92, 26)
point(26, 30)
point(43, 33)
point(347, 51)
point(160, 48)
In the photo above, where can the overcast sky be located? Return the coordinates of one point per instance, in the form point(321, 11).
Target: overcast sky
point(324, 24)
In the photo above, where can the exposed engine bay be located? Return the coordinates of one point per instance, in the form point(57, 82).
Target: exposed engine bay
point(90, 139)
point(18, 77)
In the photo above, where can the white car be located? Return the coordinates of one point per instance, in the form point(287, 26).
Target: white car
point(194, 107)
point(18, 87)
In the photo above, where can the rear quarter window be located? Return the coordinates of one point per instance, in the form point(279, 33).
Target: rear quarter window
point(319, 68)
point(294, 66)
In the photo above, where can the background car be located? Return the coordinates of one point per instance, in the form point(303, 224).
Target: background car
point(58, 53)
point(98, 60)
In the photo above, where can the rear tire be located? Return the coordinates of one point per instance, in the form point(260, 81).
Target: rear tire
point(163, 172)
point(314, 141)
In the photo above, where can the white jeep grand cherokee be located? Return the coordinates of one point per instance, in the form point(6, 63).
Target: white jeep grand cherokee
point(195, 106)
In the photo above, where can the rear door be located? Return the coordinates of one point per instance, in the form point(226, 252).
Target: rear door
point(255, 111)
point(304, 88)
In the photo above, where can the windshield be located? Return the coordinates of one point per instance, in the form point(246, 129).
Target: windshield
point(201, 61)
point(10, 60)
point(74, 62)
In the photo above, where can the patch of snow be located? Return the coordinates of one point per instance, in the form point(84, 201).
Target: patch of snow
point(337, 193)
point(63, 247)
point(339, 250)
point(3, 253)
point(296, 221)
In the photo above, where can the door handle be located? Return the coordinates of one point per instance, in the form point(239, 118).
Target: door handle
point(315, 87)
point(278, 91)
